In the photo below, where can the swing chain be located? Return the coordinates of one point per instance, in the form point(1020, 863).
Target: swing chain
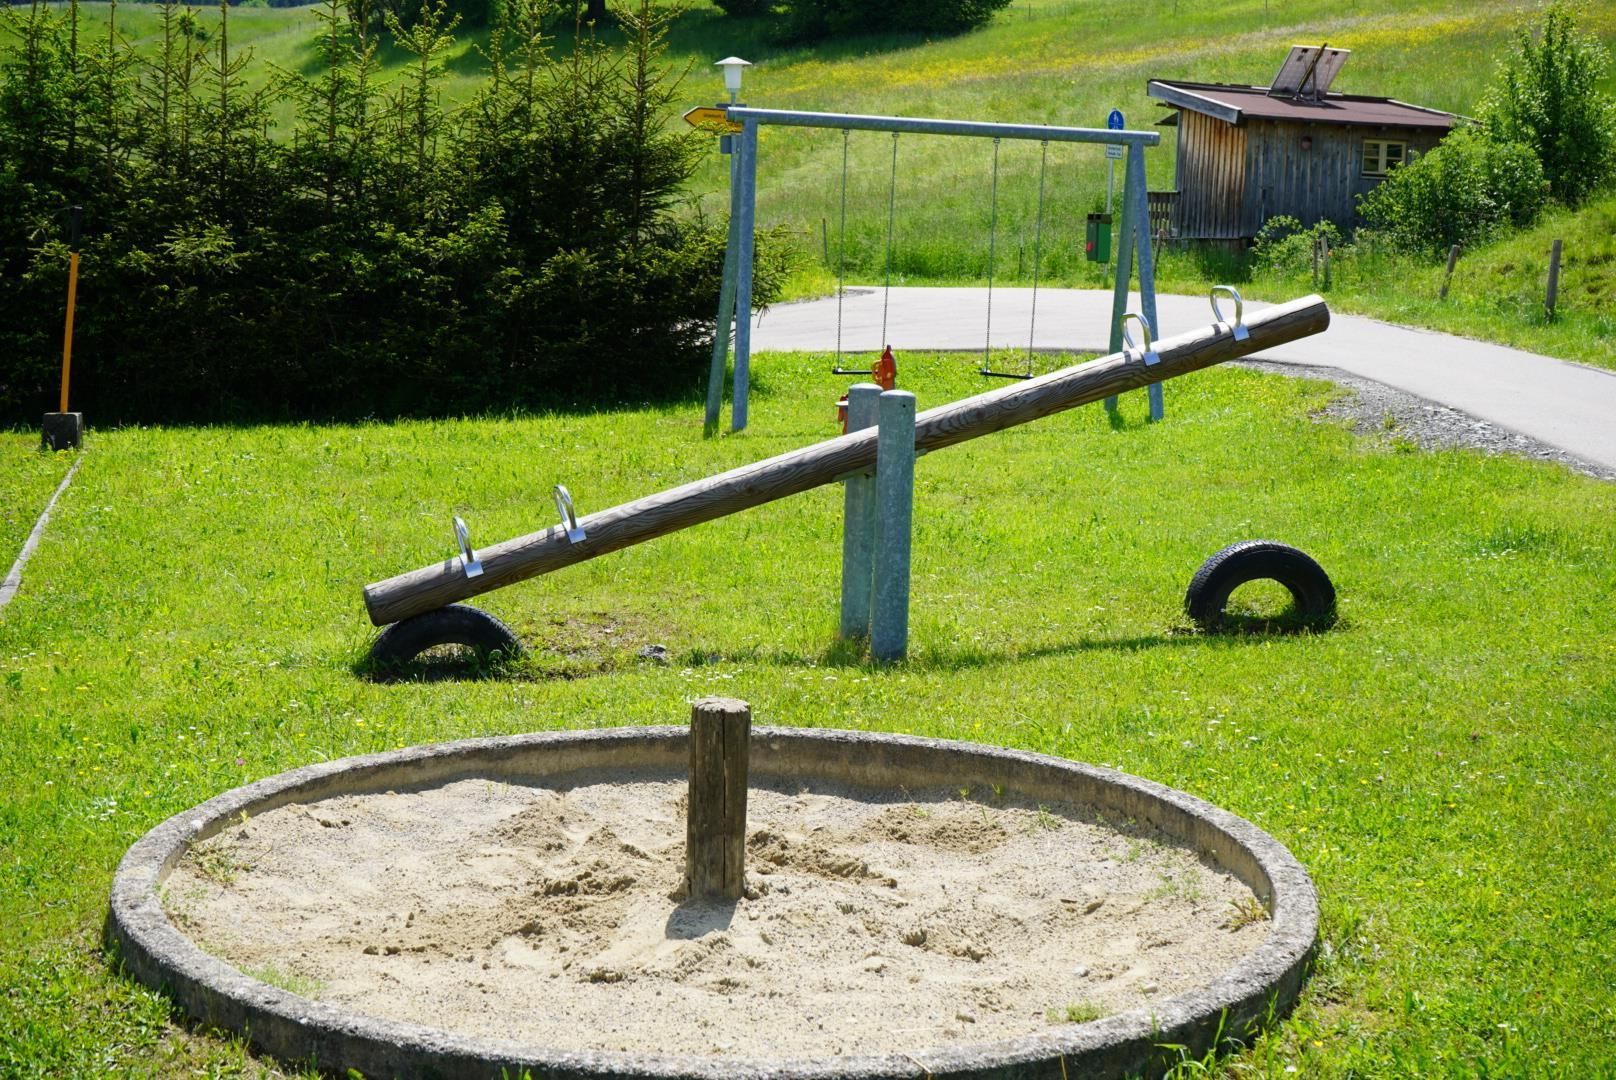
point(892, 208)
point(993, 236)
point(1037, 253)
point(841, 253)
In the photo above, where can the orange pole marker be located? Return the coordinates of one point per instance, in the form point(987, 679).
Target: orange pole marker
point(67, 333)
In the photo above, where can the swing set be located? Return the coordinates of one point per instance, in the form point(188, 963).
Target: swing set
point(886, 285)
point(1133, 240)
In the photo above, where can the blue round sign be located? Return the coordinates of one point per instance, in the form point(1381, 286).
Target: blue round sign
point(1114, 121)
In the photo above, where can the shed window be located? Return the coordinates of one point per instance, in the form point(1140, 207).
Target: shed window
point(1379, 156)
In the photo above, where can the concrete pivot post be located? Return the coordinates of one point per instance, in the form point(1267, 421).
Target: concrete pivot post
point(715, 822)
point(894, 510)
point(858, 522)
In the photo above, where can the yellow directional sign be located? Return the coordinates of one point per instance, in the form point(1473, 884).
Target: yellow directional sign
point(713, 119)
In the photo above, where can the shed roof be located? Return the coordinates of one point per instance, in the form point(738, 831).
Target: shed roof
point(1237, 104)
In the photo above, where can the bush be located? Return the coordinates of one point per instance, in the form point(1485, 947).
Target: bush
point(1461, 192)
point(385, 260)
point(812, 20)
point(1283, 247)
point(1547, 97)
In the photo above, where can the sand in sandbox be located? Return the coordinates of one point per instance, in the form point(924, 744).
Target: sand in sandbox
point(877, 924)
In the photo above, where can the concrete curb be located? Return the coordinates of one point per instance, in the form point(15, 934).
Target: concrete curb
point(1264, 984)
point(13, 580)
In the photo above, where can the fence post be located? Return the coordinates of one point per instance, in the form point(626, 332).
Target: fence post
point(1554, 280)
point(1453, 259)
point(894, 500)
point(858, 522)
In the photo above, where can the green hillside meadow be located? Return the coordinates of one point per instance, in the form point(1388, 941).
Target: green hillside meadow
point(1069, 62)
point(1441, 759)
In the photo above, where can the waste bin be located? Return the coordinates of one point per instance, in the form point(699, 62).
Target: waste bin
point(1097, 238)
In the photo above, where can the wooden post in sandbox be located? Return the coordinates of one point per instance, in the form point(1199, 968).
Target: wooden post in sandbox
point(715, 822)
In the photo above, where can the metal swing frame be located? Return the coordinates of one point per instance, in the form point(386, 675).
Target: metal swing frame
point(735, 298)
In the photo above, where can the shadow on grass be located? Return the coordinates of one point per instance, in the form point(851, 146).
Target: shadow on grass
point(542, 664)
point(442, 664)
point(1288, 623)
point(853, 655)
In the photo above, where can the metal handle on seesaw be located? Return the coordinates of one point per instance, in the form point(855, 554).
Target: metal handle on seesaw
point(1149, 355)
point(468, 557)
point(569, 517)
point(1240, 331)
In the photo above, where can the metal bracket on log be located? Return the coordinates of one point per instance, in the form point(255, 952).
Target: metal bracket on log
point(468, 557)
point(1150, 356)
point(1239, 325)
point(569, 516)
point(800, 470)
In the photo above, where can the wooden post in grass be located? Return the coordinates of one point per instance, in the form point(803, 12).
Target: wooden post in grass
point(1554, 281)
point(1453, 259)
point(715, 820)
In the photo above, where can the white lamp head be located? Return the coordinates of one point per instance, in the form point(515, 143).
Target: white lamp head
point(733, 66)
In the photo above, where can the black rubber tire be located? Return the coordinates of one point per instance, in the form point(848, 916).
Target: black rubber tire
point(1257, 560)
point(457, 624)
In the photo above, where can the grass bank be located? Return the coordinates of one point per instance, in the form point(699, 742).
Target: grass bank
point(1498, 289)
point(1441, 760)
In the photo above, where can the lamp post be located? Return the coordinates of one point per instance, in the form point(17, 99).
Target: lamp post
point(733, 67)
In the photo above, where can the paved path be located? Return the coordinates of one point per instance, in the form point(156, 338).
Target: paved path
point(1568, 406)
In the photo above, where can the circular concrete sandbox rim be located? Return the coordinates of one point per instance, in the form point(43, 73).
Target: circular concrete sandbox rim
point(1263, 984)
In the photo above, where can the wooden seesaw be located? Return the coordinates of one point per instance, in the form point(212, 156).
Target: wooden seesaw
point(427, 592)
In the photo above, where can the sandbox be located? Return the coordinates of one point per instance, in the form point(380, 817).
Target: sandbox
point(912, 907)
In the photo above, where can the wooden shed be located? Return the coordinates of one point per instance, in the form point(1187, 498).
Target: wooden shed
point(1249, 153)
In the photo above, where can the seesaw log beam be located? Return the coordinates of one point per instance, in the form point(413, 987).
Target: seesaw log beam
point(432, 587)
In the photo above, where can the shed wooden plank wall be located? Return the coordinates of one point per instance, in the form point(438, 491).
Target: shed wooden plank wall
point(1320, 183)
point(1232, 179)
point(1211, 177)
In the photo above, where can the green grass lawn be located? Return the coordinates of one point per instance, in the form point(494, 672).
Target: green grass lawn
point(27, 478)
point(1441, 760)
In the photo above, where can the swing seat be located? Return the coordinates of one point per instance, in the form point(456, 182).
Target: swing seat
point(1004, 374)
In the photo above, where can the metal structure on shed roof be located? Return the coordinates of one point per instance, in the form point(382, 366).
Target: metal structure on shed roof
point(1308, 71)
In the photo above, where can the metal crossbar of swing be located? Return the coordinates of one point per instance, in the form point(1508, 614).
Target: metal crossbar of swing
point(920, 126)
point(736, 294)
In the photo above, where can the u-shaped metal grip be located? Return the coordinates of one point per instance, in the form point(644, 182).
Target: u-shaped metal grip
point(1146, 353)
point(1239, 325)
point(468, 557)
point(569, 516)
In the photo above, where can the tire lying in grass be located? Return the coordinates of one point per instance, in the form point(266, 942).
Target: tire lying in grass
point(1260, 560)
point(457, 624)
